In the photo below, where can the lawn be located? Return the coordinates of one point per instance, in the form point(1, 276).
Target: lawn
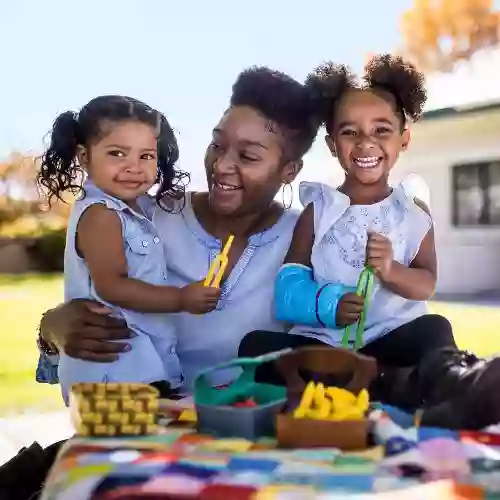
point(23, 300)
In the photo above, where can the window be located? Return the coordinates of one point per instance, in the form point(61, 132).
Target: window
point(476, 194)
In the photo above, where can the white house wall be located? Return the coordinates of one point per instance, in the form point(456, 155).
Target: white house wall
point(469, 258)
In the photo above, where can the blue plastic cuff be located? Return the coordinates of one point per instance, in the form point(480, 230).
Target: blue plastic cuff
point(328, 301)
point(300, 300)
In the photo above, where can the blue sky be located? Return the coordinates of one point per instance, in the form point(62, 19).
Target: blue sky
point(180, 56)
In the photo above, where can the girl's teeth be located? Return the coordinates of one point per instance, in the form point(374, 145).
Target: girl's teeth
point(368, 162)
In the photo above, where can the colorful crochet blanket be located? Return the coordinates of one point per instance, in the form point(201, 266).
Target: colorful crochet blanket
point(406, 463)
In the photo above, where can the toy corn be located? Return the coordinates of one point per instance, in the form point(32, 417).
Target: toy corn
point(105, 410)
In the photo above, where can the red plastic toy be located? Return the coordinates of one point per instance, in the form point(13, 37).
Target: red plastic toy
point(248, 403)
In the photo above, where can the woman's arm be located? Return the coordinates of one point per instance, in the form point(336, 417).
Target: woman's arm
point(100, 242)
point(418, 281)
point(298, 298)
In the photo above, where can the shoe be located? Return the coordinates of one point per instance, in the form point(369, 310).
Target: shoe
point(23, 475)
point(453, 388)
point(473, 402)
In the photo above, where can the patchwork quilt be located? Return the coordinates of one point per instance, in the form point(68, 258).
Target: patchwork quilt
point(405, 463)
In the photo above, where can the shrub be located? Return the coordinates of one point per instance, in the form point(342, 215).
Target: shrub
point(48, 251)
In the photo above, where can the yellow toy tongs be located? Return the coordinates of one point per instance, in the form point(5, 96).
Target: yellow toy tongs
point(219, 264)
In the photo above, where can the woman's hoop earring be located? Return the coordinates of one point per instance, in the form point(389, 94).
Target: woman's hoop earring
point(287, 204)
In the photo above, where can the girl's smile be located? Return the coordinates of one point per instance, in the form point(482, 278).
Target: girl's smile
point(367, 162)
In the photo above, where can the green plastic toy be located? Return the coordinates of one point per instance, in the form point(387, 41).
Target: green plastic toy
point(244, 387)
point(364, 289)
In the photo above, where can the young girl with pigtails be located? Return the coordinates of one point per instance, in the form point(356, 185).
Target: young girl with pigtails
point(112, 153)
point(366, 224)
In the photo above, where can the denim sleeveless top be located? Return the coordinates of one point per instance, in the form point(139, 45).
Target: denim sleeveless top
point(152, 357)
point(339, 251)
point(246, 302)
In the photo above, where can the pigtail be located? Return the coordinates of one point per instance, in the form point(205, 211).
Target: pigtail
point(400, 78)
point(326, 84)
point(60, 171)
point(171, 181)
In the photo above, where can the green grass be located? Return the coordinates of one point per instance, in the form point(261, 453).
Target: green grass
point(23, 299)
point(476, 328)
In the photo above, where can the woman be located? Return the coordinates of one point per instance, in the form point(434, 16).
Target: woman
point(256, 150)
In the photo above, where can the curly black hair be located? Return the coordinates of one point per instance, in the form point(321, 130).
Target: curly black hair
point(60, 171)
point(392, 75)
point(285, 102)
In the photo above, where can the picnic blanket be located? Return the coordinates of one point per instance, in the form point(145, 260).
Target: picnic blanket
point(405, 463)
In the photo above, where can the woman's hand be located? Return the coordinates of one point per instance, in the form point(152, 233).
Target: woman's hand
point(84, 330)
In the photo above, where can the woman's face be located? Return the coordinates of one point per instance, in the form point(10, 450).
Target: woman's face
point(244, 163)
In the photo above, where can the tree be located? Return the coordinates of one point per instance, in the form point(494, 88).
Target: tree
point(20, 199)
point(17, 177)
point(439, 33)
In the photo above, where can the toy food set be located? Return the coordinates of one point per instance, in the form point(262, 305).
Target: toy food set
point(245, 408)
point(109, 409)
point(327, 415)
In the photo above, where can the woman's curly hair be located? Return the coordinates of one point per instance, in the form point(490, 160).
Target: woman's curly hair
point(391, 74)
point(282, 100)
point(60, 171)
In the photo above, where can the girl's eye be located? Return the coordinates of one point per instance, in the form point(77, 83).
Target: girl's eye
point(116, 152)
point(214, 146)
point(148, 156)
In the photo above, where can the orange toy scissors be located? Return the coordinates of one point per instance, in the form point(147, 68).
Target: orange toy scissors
point(218, 266)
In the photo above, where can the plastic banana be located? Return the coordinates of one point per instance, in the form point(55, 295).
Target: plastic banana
point(322, 405)
point(332, 403)
point(306, 401)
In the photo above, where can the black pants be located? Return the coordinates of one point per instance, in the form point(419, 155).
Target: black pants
point(403, 347)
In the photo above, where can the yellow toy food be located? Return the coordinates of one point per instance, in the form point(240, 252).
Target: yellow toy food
point(332, 403)
point(106, 410)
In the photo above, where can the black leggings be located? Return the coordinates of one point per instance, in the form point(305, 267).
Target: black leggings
point(403, 347)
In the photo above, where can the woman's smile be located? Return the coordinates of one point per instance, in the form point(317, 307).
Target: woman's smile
point(225, 186)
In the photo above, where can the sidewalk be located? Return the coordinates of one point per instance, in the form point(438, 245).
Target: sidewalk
point(46, 428)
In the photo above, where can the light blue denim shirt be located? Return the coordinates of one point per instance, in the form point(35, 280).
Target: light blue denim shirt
point(152, 357)
point(246, 302)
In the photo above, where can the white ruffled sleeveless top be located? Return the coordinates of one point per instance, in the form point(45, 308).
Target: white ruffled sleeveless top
point(339, 251)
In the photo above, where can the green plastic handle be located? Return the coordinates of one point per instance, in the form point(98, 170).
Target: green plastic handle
point(364, 289)
point(204, 393)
